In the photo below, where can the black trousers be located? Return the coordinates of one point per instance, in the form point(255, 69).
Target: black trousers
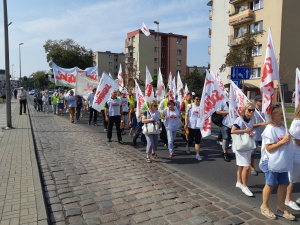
point(163, 134)
point(114, 120)
point(23, 103)
point(78, 110)
point(93, 112)
point(104, 120)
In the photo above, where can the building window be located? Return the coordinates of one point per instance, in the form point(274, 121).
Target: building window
point(163, 55)
point(133, 49)
point(257, 50)
point(255, 73)
point(256, 4)
point(155, 59)
point(109, 56)
point(179, 41)
point(116, 59)
point(238, 32)
point(110, 63)
point(162, 44)
point(239, 9)
point(178, 62)
point(133, 39)
point(116, 67)
point(256, 27)
point(156, 49)
point(163, 65)
point(155, 38)
point(178, 51)
point(155, 71)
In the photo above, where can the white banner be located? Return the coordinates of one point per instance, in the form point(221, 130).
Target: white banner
point(140, 101)
point(91, 73)
point(297, 88)
point(179, 88)
point(105, 87)
point(84, 84)
point(237, 101)
point(65, 77)
point(160, 90)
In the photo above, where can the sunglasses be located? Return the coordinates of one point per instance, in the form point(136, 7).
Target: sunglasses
point(251, 110)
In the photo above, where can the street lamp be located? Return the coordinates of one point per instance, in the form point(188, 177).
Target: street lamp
point(20, 58)
point(157, 39)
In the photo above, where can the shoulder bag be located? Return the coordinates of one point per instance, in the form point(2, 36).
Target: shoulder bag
point(243, 142)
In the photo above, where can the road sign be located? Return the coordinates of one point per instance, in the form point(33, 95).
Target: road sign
point(237, 83)
point(240, 73)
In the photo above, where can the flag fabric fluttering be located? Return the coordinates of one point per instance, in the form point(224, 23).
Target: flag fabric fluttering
point(149, 93)
point(186, 91)
point(297, 88)
point(120, 79)
point(84, 84)
point(179, 89)
point(145, 30)
point(63, 76)
point(219, 81)
point(104, 89)
point(170, 87)
point(140, 101)
point(270, 73)
point(160, 90)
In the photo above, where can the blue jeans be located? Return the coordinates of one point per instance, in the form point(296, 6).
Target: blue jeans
point(138, 132)
point(171, 137)
point(152, 140)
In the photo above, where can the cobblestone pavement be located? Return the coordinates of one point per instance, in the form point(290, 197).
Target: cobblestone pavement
point(21, 196)
point(89, 181)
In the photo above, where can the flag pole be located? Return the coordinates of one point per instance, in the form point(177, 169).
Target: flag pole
point(282, 106)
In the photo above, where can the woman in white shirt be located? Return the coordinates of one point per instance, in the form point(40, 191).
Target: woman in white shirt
point(171, 115)
point(275, 162)
point(294, 175)
point(242, 125)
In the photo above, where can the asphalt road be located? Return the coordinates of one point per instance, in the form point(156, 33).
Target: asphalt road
point(212, 170)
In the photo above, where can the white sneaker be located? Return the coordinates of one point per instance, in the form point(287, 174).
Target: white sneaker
point(247, 192)
point(198, 157)
point(292, 205)
point(298, 200)
point(188, 150)
point(238, 185)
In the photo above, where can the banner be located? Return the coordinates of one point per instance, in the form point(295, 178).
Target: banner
point(105, 87)
point(64, 77)
point(297, 88)
point(160, 90)
point(179, 88)
point(140, 101)
point(84, 84)
point(120, 78)
point(91, 73)
point(149, 93)
point(219, 81)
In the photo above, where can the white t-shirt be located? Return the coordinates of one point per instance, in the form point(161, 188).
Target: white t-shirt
point(124, 104)
point(295, 132)
point(225, 121)
point(280, 159)
point(173, 122)
point(193, 113)
point(114, 106)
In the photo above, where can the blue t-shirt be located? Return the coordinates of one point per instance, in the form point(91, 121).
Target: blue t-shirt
point(71, 101)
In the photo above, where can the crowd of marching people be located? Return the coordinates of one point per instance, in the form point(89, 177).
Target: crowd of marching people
point(280, 151)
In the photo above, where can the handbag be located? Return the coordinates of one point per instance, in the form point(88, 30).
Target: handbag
point(150, 128)
point(243, 142)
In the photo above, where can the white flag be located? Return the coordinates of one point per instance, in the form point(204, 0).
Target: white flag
point(120, 78)
point(140, 101)
point(160, 90)
point(186, 91)
point(149, 94)
point(297, 88)
point(179, 88)
point(84, 84)
point(145, 30)
point(105, 87)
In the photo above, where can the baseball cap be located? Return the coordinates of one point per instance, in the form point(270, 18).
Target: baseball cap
point(258, 98)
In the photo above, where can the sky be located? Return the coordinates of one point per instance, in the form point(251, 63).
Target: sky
point(99, 25)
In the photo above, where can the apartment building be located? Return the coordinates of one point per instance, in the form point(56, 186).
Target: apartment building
point(109, 62)
point(165, 50)
point(257, 16)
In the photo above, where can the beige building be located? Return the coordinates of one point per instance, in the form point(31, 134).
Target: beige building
point(165, 50)
point(282, 17)
point(109, 62)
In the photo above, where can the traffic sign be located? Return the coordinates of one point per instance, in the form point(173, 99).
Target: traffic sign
point(240, 73)
point(237, 83)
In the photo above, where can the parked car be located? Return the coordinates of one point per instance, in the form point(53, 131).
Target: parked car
point(32, 92)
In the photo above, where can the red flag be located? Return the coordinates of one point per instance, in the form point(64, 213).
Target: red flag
point(269, 74)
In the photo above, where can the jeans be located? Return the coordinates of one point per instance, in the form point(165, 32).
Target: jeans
point(54, 107)
point(46, 106)
point(78, 110)
point(138, 132)
point(40, 105)
point(152, 140)
point(171, 137)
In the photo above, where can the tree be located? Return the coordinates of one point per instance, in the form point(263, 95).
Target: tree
point(39, 80)
point(194, 81)
point(68, 54)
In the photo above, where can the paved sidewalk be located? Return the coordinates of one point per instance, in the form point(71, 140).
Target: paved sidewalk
point(21, 197)
point(90, 181)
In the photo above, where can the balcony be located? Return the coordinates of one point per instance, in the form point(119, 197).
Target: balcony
point(129, 44)
point(241, 17)
point(235, 1)
point(210, 15)
point(209, 32)
point(128, 54)
point(233, 41)
point(209, 50)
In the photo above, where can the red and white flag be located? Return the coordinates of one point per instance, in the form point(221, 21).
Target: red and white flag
point(63, 76)
point(179, 89)
point(270, 73)
point(149, 93)
point(212, 98)
point(170, 86)
point(145, 30)
point(297, 88)
point(120, 79)
point(90, 72)
point(186, 91)
point(174, 86)
point(84, 84)
point(140, 101)
point(219, 81)
point(160, 90)
point(104, 89)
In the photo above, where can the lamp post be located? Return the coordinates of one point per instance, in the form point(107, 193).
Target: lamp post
point(7, 75)
point(157, 39)
point(20, 61)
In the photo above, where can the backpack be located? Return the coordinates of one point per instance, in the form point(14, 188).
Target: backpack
point(217, 119)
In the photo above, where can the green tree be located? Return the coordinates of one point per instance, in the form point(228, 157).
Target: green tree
point(194, 81)
point(68, 54)
point(38, 79)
